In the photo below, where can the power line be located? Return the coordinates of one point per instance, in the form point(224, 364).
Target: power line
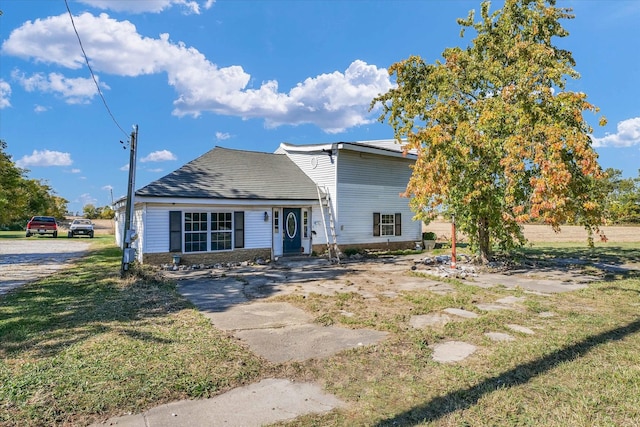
point(93, 76)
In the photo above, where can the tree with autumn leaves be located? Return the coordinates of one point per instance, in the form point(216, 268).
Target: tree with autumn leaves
point(499, 139)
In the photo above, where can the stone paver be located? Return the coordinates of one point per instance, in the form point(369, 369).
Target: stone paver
point(425, 320)
point(266, 402)
point(452, 351)
point(521, 329)
point(499, 336)
point(461, 313)
point(494, 307)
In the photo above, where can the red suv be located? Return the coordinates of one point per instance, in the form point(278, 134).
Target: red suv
point(42, 225)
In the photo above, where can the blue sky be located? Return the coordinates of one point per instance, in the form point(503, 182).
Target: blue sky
point(250, 74)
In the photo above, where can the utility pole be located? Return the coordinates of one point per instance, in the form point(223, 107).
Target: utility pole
point(128, 253)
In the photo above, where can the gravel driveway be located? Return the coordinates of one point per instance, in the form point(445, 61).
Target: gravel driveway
point(26, 260)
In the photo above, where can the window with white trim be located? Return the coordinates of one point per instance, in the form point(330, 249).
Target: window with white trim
point(387, 224)
point(305, 224)
point(221, 231)
point(206, 231)
point(195, 231)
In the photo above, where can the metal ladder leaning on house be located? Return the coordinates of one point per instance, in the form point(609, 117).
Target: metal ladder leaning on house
point(325, 203)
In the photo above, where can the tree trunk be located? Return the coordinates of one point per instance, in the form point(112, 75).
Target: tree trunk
point(483, 240)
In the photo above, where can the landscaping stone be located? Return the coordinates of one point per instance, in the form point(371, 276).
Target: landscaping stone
point(268, 401)
point(521, 329)
point(461, 313)
point(546, 314)
point(452, 351)
point(493, 307)
point(424, 320)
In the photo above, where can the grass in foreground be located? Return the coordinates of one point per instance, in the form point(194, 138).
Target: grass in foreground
point(580, 368)
point(85, 344)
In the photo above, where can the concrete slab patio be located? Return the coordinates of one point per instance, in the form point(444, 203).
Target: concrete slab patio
point(267, 401)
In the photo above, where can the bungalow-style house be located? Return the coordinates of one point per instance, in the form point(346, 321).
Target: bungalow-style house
point(234, 205)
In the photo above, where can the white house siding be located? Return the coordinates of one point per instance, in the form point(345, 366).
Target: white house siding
point(369, 183)
point(257, 232)
point(138, 226)
point(156, 231)
point(119, 227)
point(321, 168)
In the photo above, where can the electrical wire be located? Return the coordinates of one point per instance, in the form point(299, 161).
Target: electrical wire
point(93, 76)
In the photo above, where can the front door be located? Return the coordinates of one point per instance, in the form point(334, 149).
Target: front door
point(291, 233)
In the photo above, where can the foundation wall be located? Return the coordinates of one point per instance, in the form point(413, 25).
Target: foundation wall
point(238, 255)
point(391, 246)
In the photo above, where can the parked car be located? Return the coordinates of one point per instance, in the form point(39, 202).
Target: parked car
point(81, 227)
point(42, 225)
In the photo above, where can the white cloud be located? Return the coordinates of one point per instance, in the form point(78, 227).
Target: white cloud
point(221, 136)
point(74, 90)
point(153, 6)
point(125, 167)
point(5, 94)
point(159, 156)
point(75, 171)
point(628, 134)
point(107, 187)
point(333, 101)
point(40, 108)
point(45, 158)
point(156, 170)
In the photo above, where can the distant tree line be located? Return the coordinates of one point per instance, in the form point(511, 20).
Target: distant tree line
point(92, 212)
point(22, 197)
point(622, 197)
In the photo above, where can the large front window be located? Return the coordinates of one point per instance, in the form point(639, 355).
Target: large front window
point(195, 231)
point(204, 231)
point(221, 231)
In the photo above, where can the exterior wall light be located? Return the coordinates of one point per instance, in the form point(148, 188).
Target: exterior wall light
point(266, 216)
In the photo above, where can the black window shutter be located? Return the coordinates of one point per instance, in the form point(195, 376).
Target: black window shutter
point(238, 229)
point(398, 222)
point(175, 231)
point(376, 223)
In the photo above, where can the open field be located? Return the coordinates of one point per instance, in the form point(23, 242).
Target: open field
point(536, 233)
point(84, 345)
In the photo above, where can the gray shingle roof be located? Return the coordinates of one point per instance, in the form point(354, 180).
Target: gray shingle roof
point(224, 173)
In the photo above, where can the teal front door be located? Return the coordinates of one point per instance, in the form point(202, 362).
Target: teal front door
point(291, 233)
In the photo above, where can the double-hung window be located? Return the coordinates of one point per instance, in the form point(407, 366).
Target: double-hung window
point(221, 231)
point(195, 231)
point(385, 224)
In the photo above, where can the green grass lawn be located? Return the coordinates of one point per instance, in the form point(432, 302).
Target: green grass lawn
point(84, 345)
